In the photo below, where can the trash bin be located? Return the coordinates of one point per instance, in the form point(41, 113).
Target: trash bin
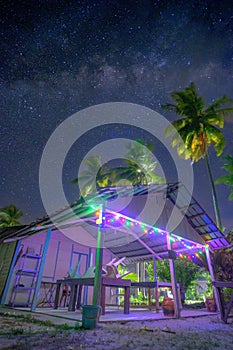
point(90, 316)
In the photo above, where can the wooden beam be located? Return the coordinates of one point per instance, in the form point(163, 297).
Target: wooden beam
point(144, 244)
point(173, 281)
point(10, 273)
point(98, 270)
point(210, 267)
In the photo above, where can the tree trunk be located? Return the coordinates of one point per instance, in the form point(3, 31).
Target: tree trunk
point(214, 195)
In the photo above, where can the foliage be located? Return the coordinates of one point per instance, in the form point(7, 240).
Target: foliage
point(229, 237)
point(227, 179)
point(187, 274)
point(227, 294)
point(31, 319)
point(94, 176)
point(223, 264)
point(198, 128)
point(139, 299)
point(16, 331)
point(9, 216)
point(133, 277)
point(186, 271)
point(162, 270)
point(193, 291)
point(139, 169)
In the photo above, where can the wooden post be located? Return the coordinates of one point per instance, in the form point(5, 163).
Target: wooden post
point(10, 273)
point(142, 277)
point(98, 271)
point(173, 281)
point(88, 264)
point(98, 260)
point(156, 289)
point(41, 269)
point(210, 267)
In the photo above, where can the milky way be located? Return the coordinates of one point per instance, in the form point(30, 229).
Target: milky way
point(59, 59)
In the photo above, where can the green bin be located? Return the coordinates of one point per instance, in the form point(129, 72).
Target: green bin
point(90, 316)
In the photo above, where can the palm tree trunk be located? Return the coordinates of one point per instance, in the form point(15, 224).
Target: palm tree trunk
point(214, 195)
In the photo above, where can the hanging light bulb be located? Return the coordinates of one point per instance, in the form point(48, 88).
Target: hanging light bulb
point(99, 220)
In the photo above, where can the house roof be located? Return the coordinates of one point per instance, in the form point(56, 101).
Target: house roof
point(131, 238)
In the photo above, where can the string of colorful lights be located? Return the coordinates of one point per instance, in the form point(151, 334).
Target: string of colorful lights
point(185, 248)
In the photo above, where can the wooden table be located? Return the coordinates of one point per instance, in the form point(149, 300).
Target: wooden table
point(224, 310)
point(76, 285)
point(147, 285)
point(155, 285)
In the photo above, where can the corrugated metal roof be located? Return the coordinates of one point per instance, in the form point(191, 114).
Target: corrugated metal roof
point(131, 242)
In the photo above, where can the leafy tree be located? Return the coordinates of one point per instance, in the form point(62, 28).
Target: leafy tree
point(227, 179)
point(186, 271)
point(9, 216)
point(198, 128)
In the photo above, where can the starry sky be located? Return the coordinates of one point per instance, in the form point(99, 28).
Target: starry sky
point(58, 57)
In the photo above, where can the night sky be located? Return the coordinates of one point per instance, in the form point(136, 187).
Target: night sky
point(58, 57)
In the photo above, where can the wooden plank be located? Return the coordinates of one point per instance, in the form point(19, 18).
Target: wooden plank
point(8, 258)
point(173, 281)
point(224, 311)
point(147, 284)
point(98, 268)
point(126, 300)
point(216, 293)
point(227, 284)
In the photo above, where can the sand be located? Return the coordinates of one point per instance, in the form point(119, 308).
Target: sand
point(199, 333)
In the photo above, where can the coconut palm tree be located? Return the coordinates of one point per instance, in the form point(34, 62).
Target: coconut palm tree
point(227, 179)
point(139, 170)
point(9, 216)
point(96, 175)
point(198, 128)
point(140, 167)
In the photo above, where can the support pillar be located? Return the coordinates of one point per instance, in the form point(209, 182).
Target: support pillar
point(156, 289)
point(173, 280)
point(98, 271)
point(210, 267)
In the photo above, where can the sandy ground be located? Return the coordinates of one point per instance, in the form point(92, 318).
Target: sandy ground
point(197, 333)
